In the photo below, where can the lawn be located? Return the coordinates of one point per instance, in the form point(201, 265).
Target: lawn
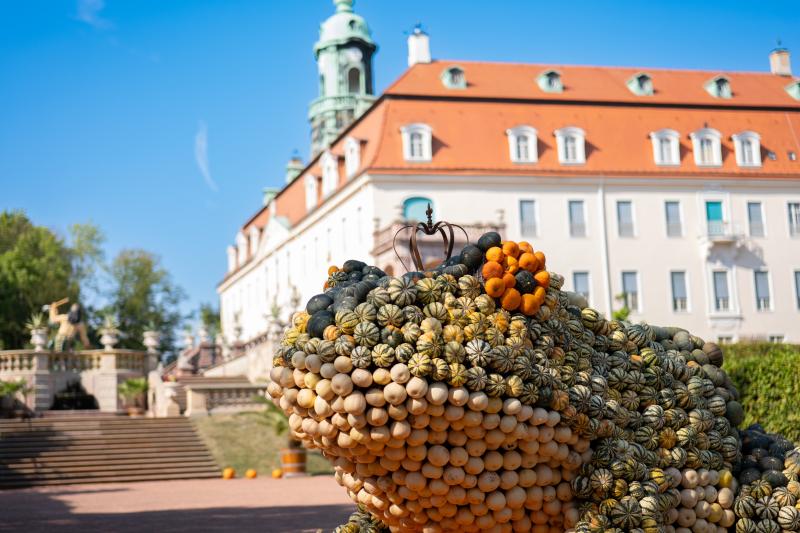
point(241, 441)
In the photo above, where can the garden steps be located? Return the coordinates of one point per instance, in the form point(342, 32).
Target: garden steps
point(84, 448)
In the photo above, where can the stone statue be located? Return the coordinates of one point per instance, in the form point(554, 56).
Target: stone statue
point(70, 325)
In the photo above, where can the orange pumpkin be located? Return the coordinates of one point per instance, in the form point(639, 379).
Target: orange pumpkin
point(332, 269)
point(525, 247)
point(511, 248)
point(528, 261)
point(511, 264)
point(492, 269)
point(495, 254)
point(228, 473)
point(529, 306)
point(511, 299)
point(250, 474)
point(542, 278)
point(509, 280)
point(542, 259)
point(539, 293)
point(277, 473)
point(495, 287)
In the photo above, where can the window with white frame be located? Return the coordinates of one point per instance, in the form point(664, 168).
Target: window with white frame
point(550, 81)
point(570, 142)
point(724, 339)
point(706, 147)
point(680, 296)
point(522, 142)
point(630, 289)
point(330, 174)
point(641, 84)
point(417, 139)
point(311, 192)
point(672, 211)
point(577, 219)
point(580, 283)
point(722, 298)
point(625, 218)
point(527, 218)
point(241, 248)
point(797, 288)
point(352, 156)
point(254, 234)
point(666, 147)
point(778, 339)
point(794, 219)
point(454, 78)
point(755, 219)
point(761, 280)
point(747, 145)
point(719, 87)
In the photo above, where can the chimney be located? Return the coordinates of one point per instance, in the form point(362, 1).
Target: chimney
point(294, 167)
point(419, 50)
point(779, 63)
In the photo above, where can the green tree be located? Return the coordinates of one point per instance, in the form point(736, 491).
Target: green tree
point(209, 317)
point(142, 295)
point(35, 269)
point(88, 257)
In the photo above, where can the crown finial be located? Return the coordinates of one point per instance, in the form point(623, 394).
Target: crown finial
point(343, 5)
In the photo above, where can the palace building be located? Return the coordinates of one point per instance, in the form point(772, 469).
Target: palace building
point(674, 192)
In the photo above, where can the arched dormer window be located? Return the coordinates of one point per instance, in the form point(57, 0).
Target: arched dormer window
point(415, 208)
point(666, 147)
point(241, 248)
point(522, 144)
point(706, 147)
point(417, 139)
point(641, 84)
point(571, 146)
point(454, 78)
point(719, 87)
point(330, 173)
point(254, 234)
point(748, 148)
point(352, 156)
point(311, 192)
point(550, 81)
point(354, 80)
point(793, 89)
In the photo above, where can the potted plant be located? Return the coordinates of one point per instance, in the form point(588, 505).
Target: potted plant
point(37, 326)
point(134, 392)
point(109, 332)
point(293, 456)
point(8, 397)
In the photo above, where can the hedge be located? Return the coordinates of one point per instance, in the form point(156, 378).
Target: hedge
point(768, 378)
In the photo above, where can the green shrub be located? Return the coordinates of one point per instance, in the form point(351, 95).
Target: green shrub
point(768, 378)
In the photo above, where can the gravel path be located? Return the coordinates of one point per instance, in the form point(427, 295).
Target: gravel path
point(241, 505)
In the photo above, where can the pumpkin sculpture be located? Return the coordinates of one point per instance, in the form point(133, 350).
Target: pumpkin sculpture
point(480, 396)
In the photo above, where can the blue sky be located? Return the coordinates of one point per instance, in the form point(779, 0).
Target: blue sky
point(162, 121)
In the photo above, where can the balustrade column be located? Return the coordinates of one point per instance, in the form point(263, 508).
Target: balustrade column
point(106, 381)
point(41, 395)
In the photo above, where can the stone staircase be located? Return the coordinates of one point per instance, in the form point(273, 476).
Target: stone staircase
point(96, 448)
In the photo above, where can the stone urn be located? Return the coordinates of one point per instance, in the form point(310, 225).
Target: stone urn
point(109, 337)
point(152, 339)
point(39, 339)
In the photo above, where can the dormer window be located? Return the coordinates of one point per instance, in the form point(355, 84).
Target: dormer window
point(666, 148)
point(330, 174)
point(352, 156)
point(522, 144)
point(311, 192)
point(641, 84)
point(748, 149)
point(254, 233)
point(571, 146)
point(794, 90)
point(241, 248)
point(706, 146)
point(417, 142)
point(454, 78)
point(719, 87)
point(550, 81)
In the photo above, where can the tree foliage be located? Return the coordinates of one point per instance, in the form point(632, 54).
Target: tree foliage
point(209, 318)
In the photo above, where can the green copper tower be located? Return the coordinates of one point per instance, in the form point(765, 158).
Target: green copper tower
point(344, 59)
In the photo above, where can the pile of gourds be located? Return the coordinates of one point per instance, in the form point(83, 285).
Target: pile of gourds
point(479, 396)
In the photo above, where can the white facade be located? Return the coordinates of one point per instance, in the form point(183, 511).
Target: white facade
point(342, 228)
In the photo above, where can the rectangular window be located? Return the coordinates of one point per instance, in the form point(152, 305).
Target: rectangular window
point(714, 221)
point(577, 220)
point(625, 218)
point(762, 290)
point(580, 283)
point(673, 211)
point(527, 218)
point(755, 219)
point(665, 151)
point(724, 339)
point(797, 287)
point(747, 152)
point(794, 219)
point(570, 149)
point(630, 290)
point(722, 301)
point(680, 299)
point(706, 151)
point(776, 338)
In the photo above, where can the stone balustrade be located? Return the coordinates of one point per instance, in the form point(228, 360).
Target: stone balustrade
point(205, 398)
point(98, 371)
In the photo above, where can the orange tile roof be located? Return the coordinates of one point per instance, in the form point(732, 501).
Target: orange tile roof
point(594, 84)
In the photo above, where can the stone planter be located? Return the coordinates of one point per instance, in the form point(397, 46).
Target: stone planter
point(152, 339)
point(39, 339)
point(109, 338)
